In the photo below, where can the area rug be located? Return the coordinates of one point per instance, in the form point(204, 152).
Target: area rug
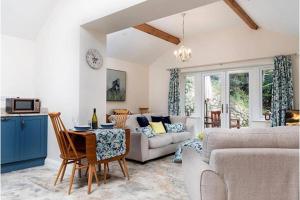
point(159, 179)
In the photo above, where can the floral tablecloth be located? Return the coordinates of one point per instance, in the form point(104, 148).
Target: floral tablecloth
point(110, 143)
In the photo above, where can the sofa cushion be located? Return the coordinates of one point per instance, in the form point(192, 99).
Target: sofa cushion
point(158, 127)
point(160, 141)
point(276, 137)
point(180, 137)
point(147, 131)
point(142, 121)
point(175, 128)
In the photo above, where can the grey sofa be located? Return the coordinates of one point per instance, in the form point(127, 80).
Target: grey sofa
point(143, 148)
point(250, 164)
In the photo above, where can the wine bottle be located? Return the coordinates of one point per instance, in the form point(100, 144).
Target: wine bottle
point(94, 120)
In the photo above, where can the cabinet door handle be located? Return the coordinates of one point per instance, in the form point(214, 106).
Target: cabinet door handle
point(22, 123)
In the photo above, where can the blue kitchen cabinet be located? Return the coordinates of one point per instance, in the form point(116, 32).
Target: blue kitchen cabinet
point(9, 139)
point(23, 142)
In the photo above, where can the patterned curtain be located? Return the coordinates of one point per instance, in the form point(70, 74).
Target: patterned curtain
point(174, 94)
point(282, 90)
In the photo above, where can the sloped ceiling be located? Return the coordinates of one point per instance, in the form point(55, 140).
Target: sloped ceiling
point(280, 16)
point(24, 18)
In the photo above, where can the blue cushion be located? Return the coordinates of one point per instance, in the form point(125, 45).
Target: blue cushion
point(142, 121)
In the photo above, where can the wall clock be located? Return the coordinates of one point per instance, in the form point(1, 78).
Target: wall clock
point(94, 58)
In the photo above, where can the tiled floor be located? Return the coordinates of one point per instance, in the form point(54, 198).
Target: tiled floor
point(158, 180)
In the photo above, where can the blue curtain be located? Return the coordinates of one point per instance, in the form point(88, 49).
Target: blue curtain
point(282, 90)
point(174, 93)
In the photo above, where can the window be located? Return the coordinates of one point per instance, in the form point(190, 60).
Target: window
point(189, 92)
point(267, 80)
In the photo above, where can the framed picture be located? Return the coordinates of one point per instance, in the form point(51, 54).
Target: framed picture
point(115, 85)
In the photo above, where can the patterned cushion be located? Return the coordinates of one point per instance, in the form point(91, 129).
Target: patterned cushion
point(146, 131)
point(175, 128)
point(194, 144)
point(119, 120)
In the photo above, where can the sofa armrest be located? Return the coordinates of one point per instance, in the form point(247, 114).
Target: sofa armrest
point(258, 173)
point(139, 147)
point(201, 182)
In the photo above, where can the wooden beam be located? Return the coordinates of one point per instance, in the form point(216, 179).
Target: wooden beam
point(157, 33)
point(241, 13)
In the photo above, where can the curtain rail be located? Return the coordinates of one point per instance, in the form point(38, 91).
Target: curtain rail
point(229, 62)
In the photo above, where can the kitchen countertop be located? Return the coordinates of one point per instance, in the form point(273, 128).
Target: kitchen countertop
point(44, 111)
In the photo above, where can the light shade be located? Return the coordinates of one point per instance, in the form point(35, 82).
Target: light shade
point(183, 53)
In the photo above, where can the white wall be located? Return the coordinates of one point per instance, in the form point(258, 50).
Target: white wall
point(59, 61)
point(92, 83)
point(17, 67)
point(137, 85)
point(224, 46)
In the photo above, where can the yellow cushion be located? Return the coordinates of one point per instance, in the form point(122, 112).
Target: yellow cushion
point(157, 127)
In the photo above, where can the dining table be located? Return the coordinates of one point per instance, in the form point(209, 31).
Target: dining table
point(100, 147)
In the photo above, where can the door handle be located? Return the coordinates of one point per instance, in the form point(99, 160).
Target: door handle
point(227, 109)
point(222, 108)
point(22, 123)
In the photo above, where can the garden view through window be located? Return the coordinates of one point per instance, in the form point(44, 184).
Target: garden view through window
point(189, 90)
point(267, 79)
point(232, 100)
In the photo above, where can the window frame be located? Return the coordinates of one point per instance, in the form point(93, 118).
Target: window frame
point(261, 79)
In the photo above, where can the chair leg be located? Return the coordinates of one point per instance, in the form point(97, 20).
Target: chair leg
point(95, 173)
point(59, 171)
point(87, 169)
point(90, 179)
point(105, 172)
point(79, 170)
point(122, 168)
point(125, 167)
point(72, 177)
point(64, 170)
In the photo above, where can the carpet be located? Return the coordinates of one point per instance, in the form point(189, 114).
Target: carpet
point(159, 179)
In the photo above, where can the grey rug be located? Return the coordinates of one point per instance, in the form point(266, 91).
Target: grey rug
point(159, 179)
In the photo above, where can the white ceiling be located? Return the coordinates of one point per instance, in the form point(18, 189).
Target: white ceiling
point(274, 15)
point(24, 18)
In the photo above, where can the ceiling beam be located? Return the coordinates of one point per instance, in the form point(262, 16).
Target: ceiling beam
point(241, 13)
point(157, 33)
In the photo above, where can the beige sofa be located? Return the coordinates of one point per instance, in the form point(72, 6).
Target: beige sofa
point(250, 164)
point(143, 148)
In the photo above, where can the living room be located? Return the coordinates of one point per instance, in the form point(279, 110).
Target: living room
point(224, 82)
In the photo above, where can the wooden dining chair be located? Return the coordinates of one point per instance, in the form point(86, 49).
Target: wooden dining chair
point(216, 118)
point(68, 151)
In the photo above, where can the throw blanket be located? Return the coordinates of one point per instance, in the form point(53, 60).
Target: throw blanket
point(110, 143)
point(192, 143)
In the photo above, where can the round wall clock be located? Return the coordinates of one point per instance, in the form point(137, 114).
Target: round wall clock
point(94, 58)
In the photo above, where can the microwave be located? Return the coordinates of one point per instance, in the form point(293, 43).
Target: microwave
point(22, 105)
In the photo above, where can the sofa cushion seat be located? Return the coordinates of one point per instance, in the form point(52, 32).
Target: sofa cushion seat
point(180, 137)
point(160, 141)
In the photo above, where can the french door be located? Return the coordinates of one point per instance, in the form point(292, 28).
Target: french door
point(225, 99)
